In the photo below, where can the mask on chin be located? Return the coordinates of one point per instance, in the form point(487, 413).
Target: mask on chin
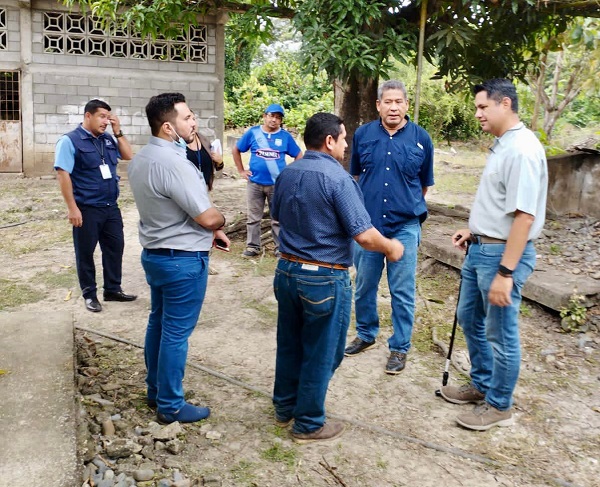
point(180, 141)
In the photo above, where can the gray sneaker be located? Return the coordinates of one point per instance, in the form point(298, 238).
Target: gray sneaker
point(462, 395)
point(485, 416)
point(328, 431)
point(251, 252)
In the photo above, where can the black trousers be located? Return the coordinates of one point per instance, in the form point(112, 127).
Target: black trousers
point(102, 225)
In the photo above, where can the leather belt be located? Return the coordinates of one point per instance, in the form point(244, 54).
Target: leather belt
point(178, 253)
point(293, 258)
point(482, 239)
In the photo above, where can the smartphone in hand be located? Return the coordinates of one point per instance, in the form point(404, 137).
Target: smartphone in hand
point(221, 245)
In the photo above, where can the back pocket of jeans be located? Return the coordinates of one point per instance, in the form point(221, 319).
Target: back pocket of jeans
point(318, 298)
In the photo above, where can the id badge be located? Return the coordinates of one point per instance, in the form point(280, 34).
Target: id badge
point(105, 171)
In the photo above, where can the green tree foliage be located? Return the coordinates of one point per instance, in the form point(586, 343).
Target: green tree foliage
point(282, 81)
point(239, 53)
point(354, 40)
point(564, 67)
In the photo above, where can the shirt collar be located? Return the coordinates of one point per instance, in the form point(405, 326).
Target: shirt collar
point(88, 134)
point(167, 144)
point(503, 139)
point(315, 154)
point(406, 117)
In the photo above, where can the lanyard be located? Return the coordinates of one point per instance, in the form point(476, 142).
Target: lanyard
point(101, 150)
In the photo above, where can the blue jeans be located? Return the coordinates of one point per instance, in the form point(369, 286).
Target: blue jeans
point(177, 286)
point(492, 332)
point(312, 322)
point(401, 281)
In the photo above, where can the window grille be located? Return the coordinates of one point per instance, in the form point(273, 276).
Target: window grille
point(9, 96)
point(66, 33)
point(3, 30)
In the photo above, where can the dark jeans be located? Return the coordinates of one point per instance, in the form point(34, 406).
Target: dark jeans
point(177, 289)
point(102, 225)
point(312, 322)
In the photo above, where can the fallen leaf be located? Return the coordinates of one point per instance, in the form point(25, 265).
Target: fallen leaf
point(68, 296)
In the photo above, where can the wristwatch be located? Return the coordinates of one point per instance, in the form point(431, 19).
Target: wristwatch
point(120, 134)
point(504, 271)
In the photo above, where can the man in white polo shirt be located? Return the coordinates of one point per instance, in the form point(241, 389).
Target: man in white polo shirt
point(507, 215)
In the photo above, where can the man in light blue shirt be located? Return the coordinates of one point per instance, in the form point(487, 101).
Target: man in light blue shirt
point(507, 215)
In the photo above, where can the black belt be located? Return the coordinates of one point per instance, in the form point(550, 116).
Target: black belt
point(482, 239)
point(178, 253)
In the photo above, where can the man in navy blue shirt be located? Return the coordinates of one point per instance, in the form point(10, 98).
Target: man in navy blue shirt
point(392, 159)
point(86, 169)
point(321, 210)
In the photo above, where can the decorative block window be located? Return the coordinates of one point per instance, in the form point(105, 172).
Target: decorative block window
point(3, 30)
point(67, 33)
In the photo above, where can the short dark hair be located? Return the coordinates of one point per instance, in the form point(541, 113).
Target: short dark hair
point(161, 109)
point(499, 88)
point(93, 106)
point(319, 126)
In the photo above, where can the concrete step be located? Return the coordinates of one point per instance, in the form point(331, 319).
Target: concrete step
point(37, 406)
point(547, 285)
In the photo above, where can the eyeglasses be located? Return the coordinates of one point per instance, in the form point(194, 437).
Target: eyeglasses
point(275, 115)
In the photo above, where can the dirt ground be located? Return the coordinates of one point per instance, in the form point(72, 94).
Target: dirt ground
point(398, 433)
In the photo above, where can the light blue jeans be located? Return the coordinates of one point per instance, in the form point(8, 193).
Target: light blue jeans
point(401, 281)
point(177, 287)
point(313, 315)
point(492, 332)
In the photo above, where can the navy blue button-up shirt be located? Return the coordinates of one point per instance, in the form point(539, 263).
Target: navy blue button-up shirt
point(393, 171)
point(320, 209)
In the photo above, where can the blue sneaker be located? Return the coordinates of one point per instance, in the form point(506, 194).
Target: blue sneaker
point(187, 414)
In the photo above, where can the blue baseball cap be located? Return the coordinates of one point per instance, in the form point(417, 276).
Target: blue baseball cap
point(275, 108)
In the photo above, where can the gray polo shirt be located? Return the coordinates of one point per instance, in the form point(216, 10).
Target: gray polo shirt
point(169, 192)
point(515, 178)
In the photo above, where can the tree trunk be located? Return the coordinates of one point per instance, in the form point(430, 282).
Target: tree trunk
point(538, 92)
point(354, 102)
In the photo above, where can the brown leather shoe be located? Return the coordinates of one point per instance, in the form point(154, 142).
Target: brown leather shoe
point(328, 431)
point(395, 363)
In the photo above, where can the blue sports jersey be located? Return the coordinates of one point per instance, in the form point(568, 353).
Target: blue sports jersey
point(268, 151)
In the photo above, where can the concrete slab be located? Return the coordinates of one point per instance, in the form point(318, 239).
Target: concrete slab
point(37, 405)
point(547, 285)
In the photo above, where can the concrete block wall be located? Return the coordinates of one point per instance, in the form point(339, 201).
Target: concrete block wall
point(55, 87)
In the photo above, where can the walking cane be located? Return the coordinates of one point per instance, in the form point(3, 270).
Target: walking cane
point(446, 374)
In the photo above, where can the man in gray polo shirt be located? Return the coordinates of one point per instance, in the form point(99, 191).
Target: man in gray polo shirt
point(177, 227)
point(507, 215)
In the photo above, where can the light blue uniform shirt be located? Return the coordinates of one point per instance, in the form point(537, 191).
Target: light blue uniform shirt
point(515, 178)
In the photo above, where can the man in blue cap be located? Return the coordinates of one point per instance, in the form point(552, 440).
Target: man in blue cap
point(268, 144)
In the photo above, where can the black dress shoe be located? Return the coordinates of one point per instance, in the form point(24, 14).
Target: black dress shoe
point(118, 296)
point(93, 305)
point(395, 363)
point(357, 346)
